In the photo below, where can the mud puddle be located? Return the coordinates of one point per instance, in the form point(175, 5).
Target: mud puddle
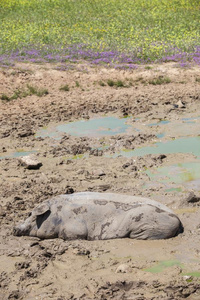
point(16, 154)
point(186, 174)
point(95, 127)
point(182, 127)
point(181, 145)
point(162, 266)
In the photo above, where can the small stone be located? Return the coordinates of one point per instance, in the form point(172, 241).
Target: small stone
point(98, 172)
point(2, 211)
point(123, 269)
point(126, 165)
point(81, 252)
point(103, 187)
point(69, 190)
point(187, 277)
point(179, 104)
point(192, 198)
point(30, 162)
point(80, 171)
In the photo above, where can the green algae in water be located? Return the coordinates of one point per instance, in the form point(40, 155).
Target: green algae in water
point(174, 190)
point(161, 266)
point(181, 145)
point(77, 156)
point(179, 173)
point(104, 126)
point(193, 274)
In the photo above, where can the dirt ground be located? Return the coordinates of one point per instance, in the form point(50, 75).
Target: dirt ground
point(113, 269)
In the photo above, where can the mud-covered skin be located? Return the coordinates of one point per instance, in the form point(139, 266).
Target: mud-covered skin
point(100, 216)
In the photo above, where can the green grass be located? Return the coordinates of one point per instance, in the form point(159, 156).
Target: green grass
point(37, 91)
point(77, 84)
point(65, 88)
point(149, 27)
point(160, 80)
point(101, 83)
point(23, 93)
point(117, 83)
point(5, 97)
point(110, 82)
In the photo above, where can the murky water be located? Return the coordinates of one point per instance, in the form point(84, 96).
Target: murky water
point(163, 122)
point(177, 128)
point(185, 173)
point(174, 190)
point(162, 265)
point(17, 154)
point(179, 173)
point(181, 145)
point(193, 274)
point(191, 120)
point(105, 126)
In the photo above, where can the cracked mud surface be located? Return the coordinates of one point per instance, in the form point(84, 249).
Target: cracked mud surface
point(55, 269)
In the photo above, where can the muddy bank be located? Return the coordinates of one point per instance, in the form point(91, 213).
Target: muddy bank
point(156, 116)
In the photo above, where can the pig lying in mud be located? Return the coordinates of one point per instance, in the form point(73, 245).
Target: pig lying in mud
point(100, 216)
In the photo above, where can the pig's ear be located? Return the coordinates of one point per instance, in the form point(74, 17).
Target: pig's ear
point(41, 209)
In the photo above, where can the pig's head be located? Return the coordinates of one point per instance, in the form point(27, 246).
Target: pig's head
point(32, 225)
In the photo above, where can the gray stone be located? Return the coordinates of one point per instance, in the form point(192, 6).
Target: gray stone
point(30, 162)
point(123, 269)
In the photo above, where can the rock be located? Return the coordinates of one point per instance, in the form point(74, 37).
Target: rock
point(15, 295)
point(96, 152)
point(103, 187)
point(26, 133)
point(30, 162)
point(22, 265)
point(179, 104)
point(2, 211)
point(123, 269)
point(81, 252)
point(69, 190)
point(192, 198)
point(98, 173)
point(187, 277)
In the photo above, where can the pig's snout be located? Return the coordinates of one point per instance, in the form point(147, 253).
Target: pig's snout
point(21, 230)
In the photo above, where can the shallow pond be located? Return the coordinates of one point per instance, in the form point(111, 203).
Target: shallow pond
point(17, 154)
point(104, 126)
point(163, 122)
point(162, 265)
point(181, 145)
point(177, 128)
point(178, 173)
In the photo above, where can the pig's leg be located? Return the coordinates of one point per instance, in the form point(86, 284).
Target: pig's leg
point(73, 229)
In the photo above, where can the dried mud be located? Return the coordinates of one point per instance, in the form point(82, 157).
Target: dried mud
point(54, 269)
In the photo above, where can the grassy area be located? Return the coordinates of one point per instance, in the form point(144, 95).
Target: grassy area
point(120, 31)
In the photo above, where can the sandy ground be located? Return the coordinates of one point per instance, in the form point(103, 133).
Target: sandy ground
point(114, 269)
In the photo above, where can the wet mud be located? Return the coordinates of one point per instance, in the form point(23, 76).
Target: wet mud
point(136, 140)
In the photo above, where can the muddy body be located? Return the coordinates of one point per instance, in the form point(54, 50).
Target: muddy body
point(100, 216)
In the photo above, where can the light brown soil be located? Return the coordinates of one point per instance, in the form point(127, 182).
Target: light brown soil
point(54, 269)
